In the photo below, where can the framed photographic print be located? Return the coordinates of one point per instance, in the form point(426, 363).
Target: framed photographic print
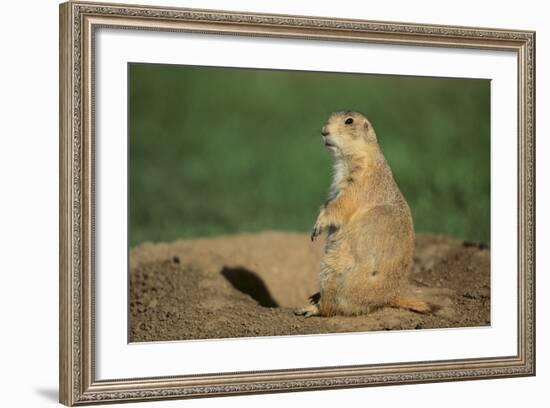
point(256, 203)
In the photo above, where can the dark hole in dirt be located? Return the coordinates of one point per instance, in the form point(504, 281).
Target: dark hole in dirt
point(478, 245)
point(249, 283)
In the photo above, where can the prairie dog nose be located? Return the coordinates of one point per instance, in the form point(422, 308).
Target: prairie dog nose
point(324, 130)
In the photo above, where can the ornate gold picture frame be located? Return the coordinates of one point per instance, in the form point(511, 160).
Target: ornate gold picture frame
point(78, 24)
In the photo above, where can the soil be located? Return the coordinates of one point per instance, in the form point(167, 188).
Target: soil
point(248, 285)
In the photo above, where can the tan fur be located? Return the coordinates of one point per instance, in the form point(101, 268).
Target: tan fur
point(414, 304)
point(370, 240)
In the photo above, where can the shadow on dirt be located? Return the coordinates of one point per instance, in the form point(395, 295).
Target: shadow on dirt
point(249, 283)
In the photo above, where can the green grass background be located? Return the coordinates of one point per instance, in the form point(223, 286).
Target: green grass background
point(220, 150)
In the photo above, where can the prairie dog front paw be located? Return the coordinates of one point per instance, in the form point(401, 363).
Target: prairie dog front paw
point(318, 228)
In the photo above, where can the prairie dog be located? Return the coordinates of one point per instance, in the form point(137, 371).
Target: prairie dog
point(370, 242)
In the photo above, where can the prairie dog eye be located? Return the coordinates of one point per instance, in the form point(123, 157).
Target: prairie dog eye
point(348, 121)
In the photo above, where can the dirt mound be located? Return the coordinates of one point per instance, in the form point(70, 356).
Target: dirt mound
point(247, 285)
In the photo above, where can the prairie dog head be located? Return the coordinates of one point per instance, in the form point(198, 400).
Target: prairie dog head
point(346, 133)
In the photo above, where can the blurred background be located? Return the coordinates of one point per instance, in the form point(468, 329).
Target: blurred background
point(223, 150)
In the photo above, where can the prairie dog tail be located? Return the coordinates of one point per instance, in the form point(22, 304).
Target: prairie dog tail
point(423, 299)
point(414, 304)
